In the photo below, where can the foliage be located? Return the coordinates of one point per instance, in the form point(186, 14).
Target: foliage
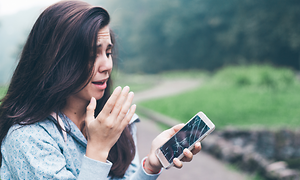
point(3, 90)
point(230, 101)
point(155, 36)
point(158, 35)
point(254, 76)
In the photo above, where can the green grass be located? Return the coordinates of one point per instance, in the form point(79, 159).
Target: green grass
point(136, 82)
point(140, 82)
point(253, 176)
point(192, 73)
point(244, 97)
point(3, 90)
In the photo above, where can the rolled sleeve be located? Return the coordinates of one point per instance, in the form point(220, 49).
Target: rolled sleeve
point(92, 169)
point(142, 174)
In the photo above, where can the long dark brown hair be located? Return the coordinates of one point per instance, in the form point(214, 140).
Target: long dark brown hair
point(56, 62)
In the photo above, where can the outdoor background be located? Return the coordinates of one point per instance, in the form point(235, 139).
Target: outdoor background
point(246, 53)
point(155, 36)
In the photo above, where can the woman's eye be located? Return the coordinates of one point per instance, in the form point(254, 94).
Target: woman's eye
point(108, 54)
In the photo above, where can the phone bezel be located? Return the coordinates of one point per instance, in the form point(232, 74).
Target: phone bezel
point(165, 163)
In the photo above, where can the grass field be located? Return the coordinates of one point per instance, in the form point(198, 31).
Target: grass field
point(244, 97)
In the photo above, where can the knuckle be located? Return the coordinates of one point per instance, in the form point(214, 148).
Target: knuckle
point(123, 113)
point(118, 106)
point(88, 119)
point(89, 108)
point(110, 125)
point(109, 104)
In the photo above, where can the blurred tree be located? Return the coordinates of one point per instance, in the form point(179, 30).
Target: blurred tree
point(205, 34)
point(269, 31)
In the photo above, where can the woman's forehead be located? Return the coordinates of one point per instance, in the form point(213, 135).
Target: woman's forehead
point(103, 34)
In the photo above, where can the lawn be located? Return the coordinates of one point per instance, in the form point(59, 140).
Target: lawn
point(244, 97)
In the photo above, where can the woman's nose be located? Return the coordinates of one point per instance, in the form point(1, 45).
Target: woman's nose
point(106, 64)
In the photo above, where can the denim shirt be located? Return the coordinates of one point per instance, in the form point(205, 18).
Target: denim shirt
point(39, 151)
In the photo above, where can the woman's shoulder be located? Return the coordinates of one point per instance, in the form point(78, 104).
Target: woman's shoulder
point(39, 130)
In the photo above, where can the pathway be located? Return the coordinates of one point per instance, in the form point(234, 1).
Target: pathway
point(203, 165)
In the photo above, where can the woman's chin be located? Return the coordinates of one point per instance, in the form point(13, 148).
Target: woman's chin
point(98, 96)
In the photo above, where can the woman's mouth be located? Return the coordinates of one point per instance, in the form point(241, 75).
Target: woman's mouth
point(100, 84)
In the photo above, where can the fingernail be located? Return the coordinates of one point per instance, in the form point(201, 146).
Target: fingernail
point(176, 160)
point(131, 93)
point(92, 99)
point(185, 151)
point(198, 144)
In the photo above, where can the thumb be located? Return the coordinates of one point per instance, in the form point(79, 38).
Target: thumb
point(90, 111)
point(175, 129)
point(178, 127)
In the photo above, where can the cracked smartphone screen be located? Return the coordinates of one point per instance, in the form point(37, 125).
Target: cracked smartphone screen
point(184, 138)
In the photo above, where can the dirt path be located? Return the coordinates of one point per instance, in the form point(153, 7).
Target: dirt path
point(203, 166)
point(167, 88)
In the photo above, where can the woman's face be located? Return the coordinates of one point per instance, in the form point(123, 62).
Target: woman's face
point(102, 68)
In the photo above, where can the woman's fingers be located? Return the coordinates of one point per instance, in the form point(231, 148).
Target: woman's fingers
point(90, 110)
point(170, 132)
point(104, 131)
point(197, 148)
point(177, 163)
point(126, 107)
point(128, 116)
point(109, 105)
point(117, 109)
point(120, 102)
point(188, 155)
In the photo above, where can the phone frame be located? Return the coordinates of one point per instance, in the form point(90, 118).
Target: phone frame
point(165, 163)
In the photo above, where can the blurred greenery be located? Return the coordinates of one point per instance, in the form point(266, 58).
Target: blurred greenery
point(242, 96)
point(136, 82)
point(155, 36)
point(3, 90)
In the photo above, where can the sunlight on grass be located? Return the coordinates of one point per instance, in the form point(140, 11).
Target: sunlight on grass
point(268, 98)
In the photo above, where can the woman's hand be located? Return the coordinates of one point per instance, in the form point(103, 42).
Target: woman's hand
point(104, 131)
point(152, 161)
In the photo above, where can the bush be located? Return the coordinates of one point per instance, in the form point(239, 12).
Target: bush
point(256, 76)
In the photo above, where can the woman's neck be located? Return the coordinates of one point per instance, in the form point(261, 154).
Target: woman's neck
point(75, 110)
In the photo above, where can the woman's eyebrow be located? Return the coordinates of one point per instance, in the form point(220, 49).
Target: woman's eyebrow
point(108, 47)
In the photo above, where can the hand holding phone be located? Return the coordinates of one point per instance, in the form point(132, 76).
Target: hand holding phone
point(195, 130)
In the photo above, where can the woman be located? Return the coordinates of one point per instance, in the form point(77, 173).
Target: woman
point(58, 119)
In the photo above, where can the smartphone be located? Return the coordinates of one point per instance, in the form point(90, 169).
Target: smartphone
point(195, 130)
